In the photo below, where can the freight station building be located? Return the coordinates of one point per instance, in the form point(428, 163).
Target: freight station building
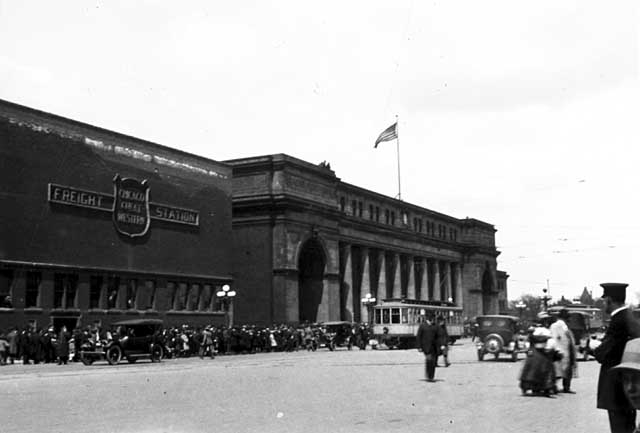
point(100, 226)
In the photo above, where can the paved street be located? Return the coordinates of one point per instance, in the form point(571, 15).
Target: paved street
point(342, 391)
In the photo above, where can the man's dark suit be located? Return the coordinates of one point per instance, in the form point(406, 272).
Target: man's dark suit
point(429, 340)
point(622, 328)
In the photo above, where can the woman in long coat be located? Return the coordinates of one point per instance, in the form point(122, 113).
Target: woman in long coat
point(565, 344)
point(62, 349)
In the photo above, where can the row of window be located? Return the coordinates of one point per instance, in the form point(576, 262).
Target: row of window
point(111, 292)
point(411, 315)
point(419, 225)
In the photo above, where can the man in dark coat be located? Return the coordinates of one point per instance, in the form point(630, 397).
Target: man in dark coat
point(429, 342)
point(622, 327)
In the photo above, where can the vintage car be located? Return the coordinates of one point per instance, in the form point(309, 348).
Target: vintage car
point(586, 342)
point(500, 334)
point(130, 339)
point(336, 334)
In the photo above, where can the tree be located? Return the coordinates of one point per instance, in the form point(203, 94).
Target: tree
point(530, 312)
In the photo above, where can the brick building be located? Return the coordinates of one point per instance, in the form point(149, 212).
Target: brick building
point(97, 225)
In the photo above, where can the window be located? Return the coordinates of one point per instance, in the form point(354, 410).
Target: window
point(385, 315)
point(204, 304)
point(393, 218)
point(6, 280)
point(132, 292)
point(378, 318)
point(113, 286)
point(173, 294)
point(192, 299)
point(371, 215)
point(342, 204)
point(354, 209)
point(33, 289)
point(387, 216)
point(64, 290)
point(95, 290)
point(377, 214)
point(395, 315)
point(150, 285)
point(405, 313)
point(360, 209)
point(180, 301)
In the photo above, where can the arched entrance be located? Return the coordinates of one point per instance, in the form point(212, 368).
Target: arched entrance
point(311, 263)
point(487, 292)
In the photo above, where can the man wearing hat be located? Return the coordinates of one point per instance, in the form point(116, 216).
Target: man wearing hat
point(430, 342)
point(622, 327)
point(628, 371)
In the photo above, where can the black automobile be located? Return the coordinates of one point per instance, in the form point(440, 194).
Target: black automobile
point(130, 339)
point(336, 334)
point(500, 334)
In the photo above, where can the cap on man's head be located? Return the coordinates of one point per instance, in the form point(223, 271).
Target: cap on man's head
point(630, 356)
point(615, 291)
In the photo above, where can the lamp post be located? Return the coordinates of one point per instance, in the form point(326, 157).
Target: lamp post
point(520, 306)
point(545, 299)
point(225, 296)
point(368, 301)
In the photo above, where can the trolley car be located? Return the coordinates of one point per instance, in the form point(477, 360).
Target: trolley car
point(396, 321)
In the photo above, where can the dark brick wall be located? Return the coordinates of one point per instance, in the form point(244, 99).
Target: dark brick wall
point(35, 230)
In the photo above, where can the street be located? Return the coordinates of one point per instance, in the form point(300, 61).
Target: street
point(341, 391)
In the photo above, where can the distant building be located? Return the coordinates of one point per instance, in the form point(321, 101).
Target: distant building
point(308, 247)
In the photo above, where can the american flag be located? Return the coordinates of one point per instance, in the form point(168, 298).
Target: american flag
point(387, 135)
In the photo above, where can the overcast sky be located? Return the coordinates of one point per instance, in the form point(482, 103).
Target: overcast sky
point(520, 114)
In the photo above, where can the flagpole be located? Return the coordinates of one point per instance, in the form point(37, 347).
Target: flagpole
point(398, 154)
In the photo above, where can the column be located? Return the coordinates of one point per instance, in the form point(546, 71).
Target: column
point(411, 279)
point(365, 286)
point(436, 280)
point(382, 276)
point(447, 278)
point(424, 285)
point(397, 281)
point(458, 288)
point(347, 284)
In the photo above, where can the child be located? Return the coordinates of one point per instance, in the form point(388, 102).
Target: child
point(628, 372)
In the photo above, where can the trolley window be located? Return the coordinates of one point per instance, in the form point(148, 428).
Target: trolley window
point(385, 315)
point(378, 316)
point(405, 315)
point(395, 315)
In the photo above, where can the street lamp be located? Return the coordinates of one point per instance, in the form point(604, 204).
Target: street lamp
point(226, 296)
point(520, 306)
point(450, 301)
point(545, 300)
point(368, 301)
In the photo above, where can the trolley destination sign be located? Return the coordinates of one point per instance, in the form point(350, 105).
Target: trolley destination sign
point(130, 205)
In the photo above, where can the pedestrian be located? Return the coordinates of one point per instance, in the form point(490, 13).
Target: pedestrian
point(628, 372)
point(566, 367)
point(4, 349)
point(445, 341)
point(13, 344)
point(429, 342)
point(622, 327)
point(538, 373)
point(62, 348)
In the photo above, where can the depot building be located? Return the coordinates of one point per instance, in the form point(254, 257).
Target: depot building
point(100, 226)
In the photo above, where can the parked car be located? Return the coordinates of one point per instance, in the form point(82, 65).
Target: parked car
point(336, 334)
point(500, 334)
point(130, 339)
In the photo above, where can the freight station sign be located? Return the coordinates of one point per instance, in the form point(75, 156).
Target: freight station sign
point(132, 211)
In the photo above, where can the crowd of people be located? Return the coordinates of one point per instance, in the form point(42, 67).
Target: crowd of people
point(32, 345)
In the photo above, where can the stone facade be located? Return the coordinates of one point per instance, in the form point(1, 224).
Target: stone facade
point(291, 217)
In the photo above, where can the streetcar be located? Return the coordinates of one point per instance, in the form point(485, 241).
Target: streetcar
point(593, 314)
point(396, 321)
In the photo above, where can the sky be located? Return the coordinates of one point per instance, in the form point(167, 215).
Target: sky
point(520, 114)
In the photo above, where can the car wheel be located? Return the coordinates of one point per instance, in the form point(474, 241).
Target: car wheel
point(86, 360)
point(157, 353)
point(480, 355)
point(114, 354)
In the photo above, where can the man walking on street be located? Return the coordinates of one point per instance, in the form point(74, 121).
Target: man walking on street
point(429, 342)
point(622, 327)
